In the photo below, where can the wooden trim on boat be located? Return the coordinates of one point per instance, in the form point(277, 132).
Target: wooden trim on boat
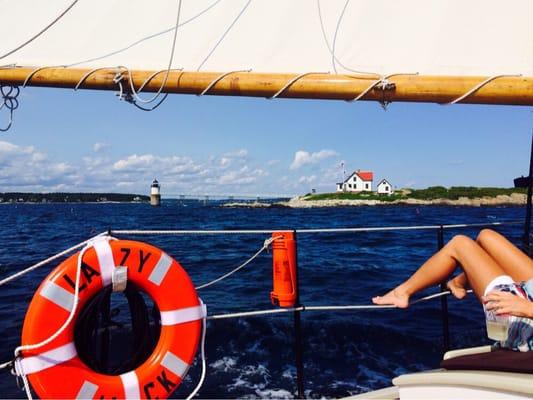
point(407, 88)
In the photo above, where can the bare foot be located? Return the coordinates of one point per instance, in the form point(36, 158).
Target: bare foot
point(457, 288)
point(394, 297)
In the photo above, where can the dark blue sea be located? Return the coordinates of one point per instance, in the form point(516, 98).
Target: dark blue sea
point(344, 352)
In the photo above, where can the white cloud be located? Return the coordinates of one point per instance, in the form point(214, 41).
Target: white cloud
point(232, 158)
point(307, 179)
point(241, 153)
point(98, 146)
point(302, 157)
point(25, 168)
point(134, 163)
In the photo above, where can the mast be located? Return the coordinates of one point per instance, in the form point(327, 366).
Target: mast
point(505, 90)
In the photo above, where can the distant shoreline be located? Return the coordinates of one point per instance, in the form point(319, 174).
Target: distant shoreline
point(64, 197)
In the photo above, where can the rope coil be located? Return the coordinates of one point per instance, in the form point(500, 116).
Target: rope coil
point(10, 102)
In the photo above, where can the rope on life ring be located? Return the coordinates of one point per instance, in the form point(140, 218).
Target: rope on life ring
point(56, 371)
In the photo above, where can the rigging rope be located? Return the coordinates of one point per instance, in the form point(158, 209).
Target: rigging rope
point(132, 96)
point(333, 58)
point(32, 73)
point(331, 51)
point(291, 81)
point(41, 31)
point(228, 29)
point(265, 247)
point(219, 78)
point(135, 99)
point(383, 81)
point(479, 86)
point(10, 102)
point(139, 41)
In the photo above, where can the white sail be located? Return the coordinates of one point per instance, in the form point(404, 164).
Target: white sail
point(452, 37)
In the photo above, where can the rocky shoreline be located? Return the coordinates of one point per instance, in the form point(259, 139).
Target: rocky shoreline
point(515, 199)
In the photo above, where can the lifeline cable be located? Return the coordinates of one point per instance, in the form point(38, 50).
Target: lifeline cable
point(324, 308)
point(253, 232)
point(48, 260)
point(306, 230)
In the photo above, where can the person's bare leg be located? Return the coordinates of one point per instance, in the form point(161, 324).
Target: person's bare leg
point(514, 262)
point(479, 267)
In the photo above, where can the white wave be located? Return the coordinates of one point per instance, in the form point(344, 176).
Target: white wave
point(224, 364)
point(274, 394)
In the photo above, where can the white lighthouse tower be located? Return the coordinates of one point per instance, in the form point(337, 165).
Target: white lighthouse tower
point(155, 194)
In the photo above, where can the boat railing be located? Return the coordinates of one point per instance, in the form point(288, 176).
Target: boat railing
point(438, 228)
point(298, 308)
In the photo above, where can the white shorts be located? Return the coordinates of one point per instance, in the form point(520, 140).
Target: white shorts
point(499, 280)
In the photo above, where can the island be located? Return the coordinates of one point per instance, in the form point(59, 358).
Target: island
point(435, 195)
point(59, 197)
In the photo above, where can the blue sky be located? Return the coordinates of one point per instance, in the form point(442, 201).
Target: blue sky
point(63, 140)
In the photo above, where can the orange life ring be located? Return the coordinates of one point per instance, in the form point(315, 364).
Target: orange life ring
point(56, 371)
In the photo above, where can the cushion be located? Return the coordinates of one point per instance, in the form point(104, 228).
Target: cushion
point(497, 360)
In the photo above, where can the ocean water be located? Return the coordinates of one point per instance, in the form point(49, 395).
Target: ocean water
point(344, 352)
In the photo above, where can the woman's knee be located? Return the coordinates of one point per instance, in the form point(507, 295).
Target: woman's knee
point(460, 242)
point(486, 236)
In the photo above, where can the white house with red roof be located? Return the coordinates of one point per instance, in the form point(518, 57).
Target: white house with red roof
point(359, 181)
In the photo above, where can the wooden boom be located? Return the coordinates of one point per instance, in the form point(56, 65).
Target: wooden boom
point(411, 88)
